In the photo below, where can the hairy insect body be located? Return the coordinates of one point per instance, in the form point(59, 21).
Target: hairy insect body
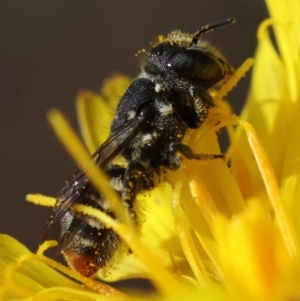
point(148, 153)
point(170, 96)
point(85, 243)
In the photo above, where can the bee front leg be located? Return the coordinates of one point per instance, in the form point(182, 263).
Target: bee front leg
point(193, 105)
point(202, 102)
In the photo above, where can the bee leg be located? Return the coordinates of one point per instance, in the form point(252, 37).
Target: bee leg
point(193, 105)
point(201, 102)
point(136, 178)
point(189, 154)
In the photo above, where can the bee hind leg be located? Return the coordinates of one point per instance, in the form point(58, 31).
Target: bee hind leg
point(136, 179)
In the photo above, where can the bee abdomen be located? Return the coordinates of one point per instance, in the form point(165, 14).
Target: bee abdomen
point(91, 248)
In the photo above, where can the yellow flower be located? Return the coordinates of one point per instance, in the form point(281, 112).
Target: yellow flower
point(217, 230)
point(259, 248)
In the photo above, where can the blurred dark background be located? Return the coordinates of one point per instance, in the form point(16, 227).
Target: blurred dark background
point(52, 49)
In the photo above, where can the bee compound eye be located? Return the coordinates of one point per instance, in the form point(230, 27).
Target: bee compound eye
point(196, 64)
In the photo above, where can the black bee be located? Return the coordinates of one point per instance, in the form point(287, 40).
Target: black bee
point(169, 96)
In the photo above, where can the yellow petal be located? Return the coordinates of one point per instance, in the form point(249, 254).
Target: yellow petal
point(95, 112)
point(266, 109)
point(22, 275)
point(294, 9)
point(94, 119)
point(286, 12)
point(190, 247)
point(254, 258)
point(290, 182)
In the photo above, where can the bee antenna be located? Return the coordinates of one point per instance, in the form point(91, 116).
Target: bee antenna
point(211, 26)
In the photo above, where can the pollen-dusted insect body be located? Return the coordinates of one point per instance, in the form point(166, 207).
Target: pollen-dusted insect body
point(170, 96)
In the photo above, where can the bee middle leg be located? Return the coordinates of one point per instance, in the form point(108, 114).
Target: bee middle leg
point(189, 153)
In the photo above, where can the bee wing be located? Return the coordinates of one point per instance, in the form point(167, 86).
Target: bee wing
point(78, 189)
point(114, 145)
